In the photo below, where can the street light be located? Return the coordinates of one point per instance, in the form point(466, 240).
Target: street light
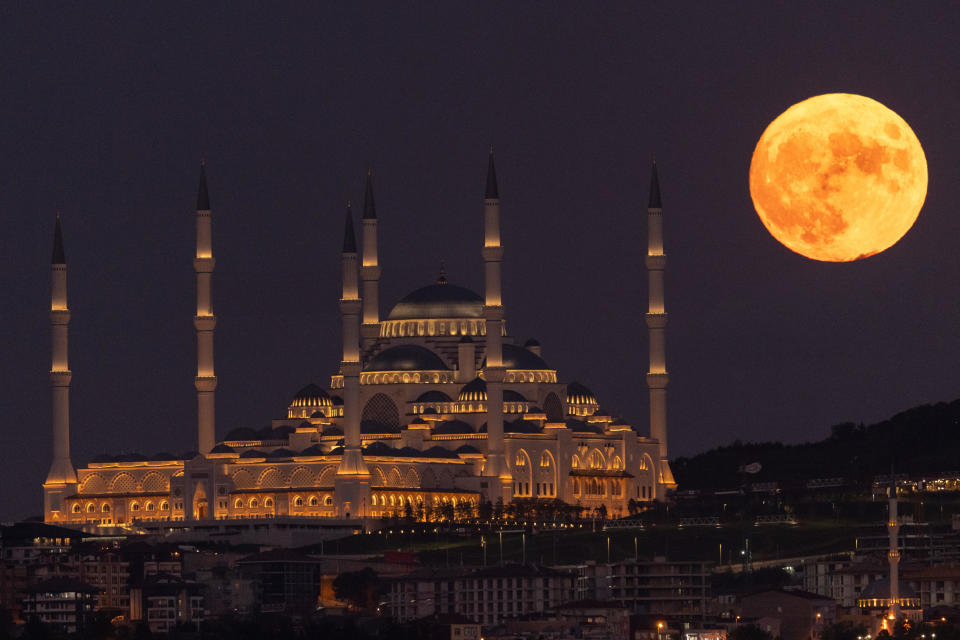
point(659, 630)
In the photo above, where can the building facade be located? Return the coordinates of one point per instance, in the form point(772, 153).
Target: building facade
point(434, 409)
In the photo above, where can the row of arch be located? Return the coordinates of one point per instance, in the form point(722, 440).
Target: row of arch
point(274, 478)
point(151, 482)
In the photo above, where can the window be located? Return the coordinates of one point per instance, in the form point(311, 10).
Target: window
point(91, 508)
point(268, 502)
point(238, 504)
point(149, 506)
point(134, 507)
point(253, 503)
point(105, 508)
point(298, 501)
point(313, 501)
point(76, 508)
point(164, 506)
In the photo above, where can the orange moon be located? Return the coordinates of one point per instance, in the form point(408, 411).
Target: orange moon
point(838, 177)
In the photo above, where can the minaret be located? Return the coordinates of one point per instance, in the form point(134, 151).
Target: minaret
point(352, 483)
point(370, 268)
point(62, 479)
point(204, 321)
point(893, 527)
point(657, 377)
point(496, 465)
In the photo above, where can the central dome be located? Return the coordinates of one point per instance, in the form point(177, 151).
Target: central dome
point(440, 300)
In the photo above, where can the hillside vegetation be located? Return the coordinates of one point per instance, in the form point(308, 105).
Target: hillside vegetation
point(923, 440)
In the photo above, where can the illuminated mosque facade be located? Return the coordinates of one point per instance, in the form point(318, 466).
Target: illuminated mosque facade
point(434, 408)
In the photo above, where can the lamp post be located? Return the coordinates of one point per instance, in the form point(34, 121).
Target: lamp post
point(659, 631)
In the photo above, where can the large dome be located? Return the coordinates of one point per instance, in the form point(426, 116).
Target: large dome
point(406, 357)
point(440, 300)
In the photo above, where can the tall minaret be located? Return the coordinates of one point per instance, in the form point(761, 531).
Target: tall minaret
point(352, 483)
point(62, 479)
point(370, 268)
point(496, 465)
point(204, 321)
point(893, 527)
point(657, 377)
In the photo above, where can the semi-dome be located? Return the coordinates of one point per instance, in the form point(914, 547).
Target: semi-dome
point(509, 395)
point(406, 357)
point(440, 300)
point(311, 396)
point(515, 357)
point(433, 396)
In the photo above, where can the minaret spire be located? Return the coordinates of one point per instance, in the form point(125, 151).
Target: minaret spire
point(496, 465)
point(370, 268)
point(352, 483)
point(204, 321)
point(893, 527)
point(656, 317)
point(61, 479)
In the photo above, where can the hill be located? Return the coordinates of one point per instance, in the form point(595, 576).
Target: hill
point(923, 440)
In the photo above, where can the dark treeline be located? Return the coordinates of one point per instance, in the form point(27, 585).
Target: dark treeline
point(925, 439)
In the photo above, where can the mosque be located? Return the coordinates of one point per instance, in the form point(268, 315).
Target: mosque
point(434, 407)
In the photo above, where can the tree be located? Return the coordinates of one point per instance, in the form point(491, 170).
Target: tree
point(407, 511)
point(749, 632)
point(358, 588)
point(845, 630)
point(486, 510)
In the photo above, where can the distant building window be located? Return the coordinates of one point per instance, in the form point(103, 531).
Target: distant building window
point(76, 508)
point(313, 501)
point(253, 503)
point(164, 506)
point(298, 501)
point(105, 508)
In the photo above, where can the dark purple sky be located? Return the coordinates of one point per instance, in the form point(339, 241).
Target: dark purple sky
point(105, 116)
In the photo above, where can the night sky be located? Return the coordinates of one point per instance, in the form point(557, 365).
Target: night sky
point(105, 116)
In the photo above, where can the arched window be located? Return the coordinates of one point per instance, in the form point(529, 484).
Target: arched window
point(164, 506)
point(268, 502)
point(238, 504)
point(253, 503)
point(313, 501)
point(575, 462)
point(134, 507)
point(149, 506)
point(76, 508)
point(298, 501)
point(553, 408)
point(106, 508)
point(545, 460)
point(328, 501)
point(382, 410)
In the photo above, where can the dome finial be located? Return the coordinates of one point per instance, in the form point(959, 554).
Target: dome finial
point(442, 278)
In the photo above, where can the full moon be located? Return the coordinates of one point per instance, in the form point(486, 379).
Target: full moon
point(838, 177)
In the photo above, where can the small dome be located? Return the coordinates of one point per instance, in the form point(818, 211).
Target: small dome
point(311, 396)
point(406, 357)
point(312, 450)
point(441, 300)
point(579, 394)
point(283, 431)
point(281, 453)
point(222, 448)
point(466, 450)
point(433, 396)
point(417, 421)
point(242, 433)
point(102, 458)
point(453, 426)
point(580, 426)
point(332, 430)
point(509, 395)
point(316, 414)
point(521, 426)
point(131, 457)
point(515, 357)
point(253, 453)
point(474, 391)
